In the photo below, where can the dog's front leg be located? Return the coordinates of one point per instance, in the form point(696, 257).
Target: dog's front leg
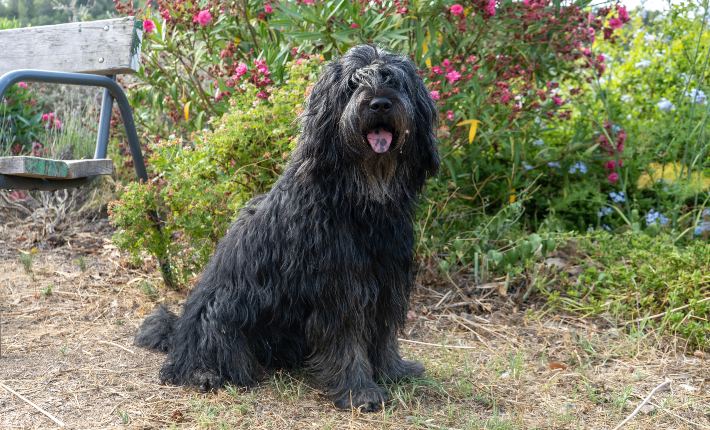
point(385, 356)
point(339, 363)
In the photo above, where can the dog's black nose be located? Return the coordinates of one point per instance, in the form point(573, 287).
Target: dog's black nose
point(380, 104)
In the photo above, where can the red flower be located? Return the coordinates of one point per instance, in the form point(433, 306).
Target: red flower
point(613, 177)
point(148, 26)
point(354, 25)
point(557, 100)
point(203, 17)
point(456, 9)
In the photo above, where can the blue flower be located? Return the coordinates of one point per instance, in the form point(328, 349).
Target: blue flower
point(578, 167)
point(706, 212)
point(619, 197)
point(606, 210)
point(527, 166)
point(554, 164)
point(702, 228)
point(697, 96)
point(538, 142)
point(653, 217)
point(665, 105)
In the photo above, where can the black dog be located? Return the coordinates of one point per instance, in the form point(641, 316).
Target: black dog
point(317, 272)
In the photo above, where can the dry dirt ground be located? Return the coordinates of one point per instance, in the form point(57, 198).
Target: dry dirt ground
point(69, 309)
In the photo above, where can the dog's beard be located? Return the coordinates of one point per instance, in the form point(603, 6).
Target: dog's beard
point(376, 145)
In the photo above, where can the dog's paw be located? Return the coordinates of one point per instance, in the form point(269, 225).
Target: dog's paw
point(403, 369)
point(206, 380)
point(365, 399)
point(167, 374)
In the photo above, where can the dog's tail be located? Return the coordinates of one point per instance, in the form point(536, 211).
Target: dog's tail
point(156, 331)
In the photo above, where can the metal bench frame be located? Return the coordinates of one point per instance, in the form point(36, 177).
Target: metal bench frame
point(112, 91)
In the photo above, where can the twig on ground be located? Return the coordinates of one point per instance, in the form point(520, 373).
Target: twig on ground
point(659, 387)
point(116, 345)
point(439, 345)
point(667, 312)
point(29, 402)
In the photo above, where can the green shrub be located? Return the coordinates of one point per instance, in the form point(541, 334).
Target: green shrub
point(200, 184)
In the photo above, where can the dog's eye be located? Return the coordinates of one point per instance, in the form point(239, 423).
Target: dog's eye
point(352, 85)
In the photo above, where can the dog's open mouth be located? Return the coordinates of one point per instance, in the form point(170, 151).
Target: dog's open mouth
point(380, 139)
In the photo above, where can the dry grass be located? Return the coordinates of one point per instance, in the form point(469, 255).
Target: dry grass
point(68, 323)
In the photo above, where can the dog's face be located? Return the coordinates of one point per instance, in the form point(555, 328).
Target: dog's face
point(371, 108)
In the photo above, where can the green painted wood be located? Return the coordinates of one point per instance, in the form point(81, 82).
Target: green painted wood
point(45, 167)
point(36, 167)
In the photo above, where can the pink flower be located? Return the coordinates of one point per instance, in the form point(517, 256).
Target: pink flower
point(446, 63)
point(240, 70)
point(165, 14)
point(490, 9)
point(262, 67)
point(615, 23)
point(268, 8)
point(435, 95)
point(148, 26)
point(308, 2)
point(587, 52)
point(22, 85)
point(623, 13)
point(354, 25)
point(203, 17)
point(437, 70)
point(453, 76)
point(57, 124)
point(263, 95)
point(456, 9)
point(611, 164)
point(613, 177)
point(557, 100)
point(45, 117)
point(450, 115)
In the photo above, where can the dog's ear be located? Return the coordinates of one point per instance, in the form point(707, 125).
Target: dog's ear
point(426, 120)
point(320, 118)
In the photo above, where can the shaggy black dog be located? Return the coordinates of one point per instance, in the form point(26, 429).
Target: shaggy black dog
point(316, 274)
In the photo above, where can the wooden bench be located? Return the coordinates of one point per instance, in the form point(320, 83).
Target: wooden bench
point(81, 53)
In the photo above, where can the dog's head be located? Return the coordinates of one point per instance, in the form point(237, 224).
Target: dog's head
point(370, 108)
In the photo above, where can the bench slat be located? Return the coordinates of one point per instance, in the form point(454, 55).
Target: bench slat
point(105, 47)
point(36, 167)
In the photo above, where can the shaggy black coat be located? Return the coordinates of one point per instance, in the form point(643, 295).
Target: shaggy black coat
point(317, 273)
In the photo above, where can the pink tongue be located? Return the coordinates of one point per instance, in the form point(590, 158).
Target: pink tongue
point(380, 140)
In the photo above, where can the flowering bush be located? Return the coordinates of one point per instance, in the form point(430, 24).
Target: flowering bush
point(640, 127)
point(196, 56)
point(20, 120)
